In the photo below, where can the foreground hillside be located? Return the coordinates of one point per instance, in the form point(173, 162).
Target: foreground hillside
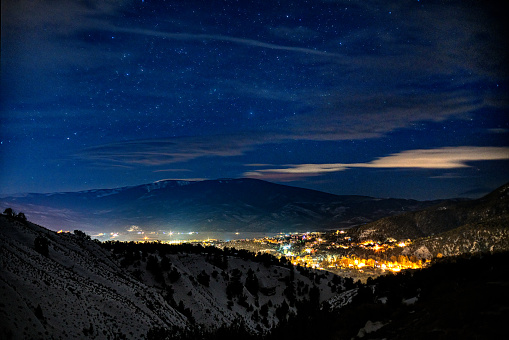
point(61, 286)
point(224, 287)
point(75, 290)
point(227, 205)
point(456, 298)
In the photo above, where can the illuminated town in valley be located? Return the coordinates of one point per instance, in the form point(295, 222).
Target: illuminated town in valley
point(335, 251)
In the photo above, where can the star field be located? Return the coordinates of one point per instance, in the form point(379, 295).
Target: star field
point(316, 94)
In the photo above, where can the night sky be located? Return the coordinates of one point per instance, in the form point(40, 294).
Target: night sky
point(382, 98)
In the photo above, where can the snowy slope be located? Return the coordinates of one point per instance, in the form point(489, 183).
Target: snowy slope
point(209, 305)
point(80, 289)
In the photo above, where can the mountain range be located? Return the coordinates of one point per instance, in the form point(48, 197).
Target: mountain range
point(226, 205)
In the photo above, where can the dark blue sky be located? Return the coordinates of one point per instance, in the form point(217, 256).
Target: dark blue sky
point(381, 98)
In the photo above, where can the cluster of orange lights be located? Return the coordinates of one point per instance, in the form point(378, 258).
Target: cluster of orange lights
point(395, 264)
point(377, 247)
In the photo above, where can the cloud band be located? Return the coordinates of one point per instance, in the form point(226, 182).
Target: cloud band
point(441, 158)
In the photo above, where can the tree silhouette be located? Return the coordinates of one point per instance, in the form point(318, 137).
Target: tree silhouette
point(252, 282)
point(203, 278)
point(152, 264)
point(38, 313)
point(234, 287)
point(282, 311)
point(174, 275)
point(21, 216)
point(41, 245)
point(9, 212)
point(165, 263)
point(81, 234)
point(314, 296)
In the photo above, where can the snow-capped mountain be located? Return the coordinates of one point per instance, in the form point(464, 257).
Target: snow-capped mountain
point(213, 205)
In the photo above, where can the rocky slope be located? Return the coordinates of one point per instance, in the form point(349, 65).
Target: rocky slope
point(482, 237)
point(439, 219)
point(451, 229)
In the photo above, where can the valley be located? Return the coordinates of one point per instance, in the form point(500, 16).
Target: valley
point(66, 285)
point(336, 252)
point(366, 280)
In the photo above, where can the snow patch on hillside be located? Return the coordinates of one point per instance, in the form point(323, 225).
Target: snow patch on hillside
point(80, 289)
point(76, 290)
point(162, 184)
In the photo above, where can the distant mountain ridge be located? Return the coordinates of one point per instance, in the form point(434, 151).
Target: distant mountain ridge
point(211, 205)
point(439, 218)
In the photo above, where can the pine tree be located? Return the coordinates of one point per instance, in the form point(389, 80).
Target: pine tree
point(38, 313)
point(252, 282)
point(41, 245)
point(203, 278)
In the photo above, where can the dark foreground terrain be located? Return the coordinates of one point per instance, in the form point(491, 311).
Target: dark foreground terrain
point(61, 286)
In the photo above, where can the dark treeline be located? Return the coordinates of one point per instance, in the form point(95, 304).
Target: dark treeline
point(20, 217)
point(136, 250)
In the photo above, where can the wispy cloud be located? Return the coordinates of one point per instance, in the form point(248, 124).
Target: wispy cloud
point(441, 158)
point(194, 179)
point(218, 37)
point(448, 175)
point(157, 152)
point(363, 115)
point(498, 131)
point(173, 170)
